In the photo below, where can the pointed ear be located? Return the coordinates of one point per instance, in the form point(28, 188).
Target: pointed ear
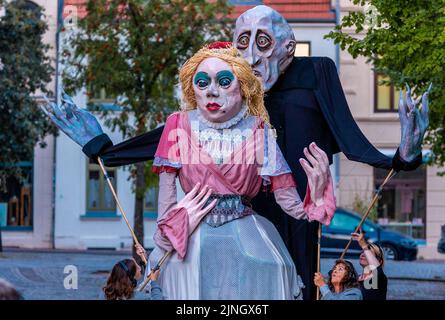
point(290, 47)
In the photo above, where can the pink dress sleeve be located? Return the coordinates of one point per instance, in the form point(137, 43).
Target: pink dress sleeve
point(283, 181)
point(174, 226)
point(167, 156)
point(166, 201)
point(324, 213)
point(290, 202)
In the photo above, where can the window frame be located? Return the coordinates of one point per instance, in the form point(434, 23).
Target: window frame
point(392, 90)
point(152, 213)
point(100, 210)
point(24, 164)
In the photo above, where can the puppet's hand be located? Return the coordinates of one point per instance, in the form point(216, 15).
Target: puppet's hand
point(78, 124)
point(413, 123)
point(194, 203)
point(318, 173)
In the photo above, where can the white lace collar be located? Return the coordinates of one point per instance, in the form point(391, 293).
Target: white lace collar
point(223, 125)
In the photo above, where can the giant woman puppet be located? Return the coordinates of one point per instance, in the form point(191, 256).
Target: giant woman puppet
point(222, 138)
point(305, 103)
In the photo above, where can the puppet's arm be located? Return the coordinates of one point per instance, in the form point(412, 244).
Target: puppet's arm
point(414, 123)
point(350, 139)
point(290, 201)
point(319, 203)
point(83, 128)
point(77, 123)
point(321, 210)
point(166, 202)
point(177, 221)
point(133, 150)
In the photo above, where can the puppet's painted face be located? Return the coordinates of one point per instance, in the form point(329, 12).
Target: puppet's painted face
point(266, 41)
point(217, 90)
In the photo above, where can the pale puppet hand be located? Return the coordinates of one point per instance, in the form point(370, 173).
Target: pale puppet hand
point(413, 124)
point(194, 203)
point(179, 222)
point(78, 124)
point(317, 172)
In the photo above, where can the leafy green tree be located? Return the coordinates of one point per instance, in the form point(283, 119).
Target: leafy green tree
point(405, 40)
point(24, 70)
point(133, 49)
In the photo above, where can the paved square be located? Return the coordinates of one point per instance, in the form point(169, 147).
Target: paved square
point(40, 275)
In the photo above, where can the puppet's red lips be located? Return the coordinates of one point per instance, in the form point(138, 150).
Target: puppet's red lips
point(213, 106)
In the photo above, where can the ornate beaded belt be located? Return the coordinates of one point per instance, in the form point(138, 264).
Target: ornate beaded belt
point(229, 207)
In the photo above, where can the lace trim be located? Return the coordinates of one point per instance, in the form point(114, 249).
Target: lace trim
point(160, 162)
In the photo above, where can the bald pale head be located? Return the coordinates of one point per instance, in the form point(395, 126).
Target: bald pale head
point(266, 41)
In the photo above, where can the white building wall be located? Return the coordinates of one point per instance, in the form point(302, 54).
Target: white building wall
point(42, 198)
point(314, 33)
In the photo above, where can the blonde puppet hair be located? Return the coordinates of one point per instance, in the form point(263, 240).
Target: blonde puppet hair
point(251, 87)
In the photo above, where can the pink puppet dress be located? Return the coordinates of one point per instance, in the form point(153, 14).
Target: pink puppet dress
point(234, 253)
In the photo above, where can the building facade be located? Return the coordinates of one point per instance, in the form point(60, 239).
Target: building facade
point(26, 209)
point(412, 202)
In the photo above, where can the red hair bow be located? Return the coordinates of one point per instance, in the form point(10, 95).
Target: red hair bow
point(220, 45)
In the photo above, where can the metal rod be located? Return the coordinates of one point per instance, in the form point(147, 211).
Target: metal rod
point(99, 160)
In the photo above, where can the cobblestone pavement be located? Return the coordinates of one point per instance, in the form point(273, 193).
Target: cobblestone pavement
point(40, 275)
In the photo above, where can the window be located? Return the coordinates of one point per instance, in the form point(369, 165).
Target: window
point(16, 207)
point(402, 204)
point(99, 196)
point(151, 203)
point(99, 95)
point(303, 49)
point(386, 98)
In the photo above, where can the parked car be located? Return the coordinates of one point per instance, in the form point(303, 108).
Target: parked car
point(335, 237)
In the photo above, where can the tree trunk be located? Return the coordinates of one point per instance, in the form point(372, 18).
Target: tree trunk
point(139, 207)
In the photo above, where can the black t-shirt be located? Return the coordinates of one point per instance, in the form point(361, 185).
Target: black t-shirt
point(375, 289)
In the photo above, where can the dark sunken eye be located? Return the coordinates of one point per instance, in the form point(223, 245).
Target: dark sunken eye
point(263, 41)
point(243, 41)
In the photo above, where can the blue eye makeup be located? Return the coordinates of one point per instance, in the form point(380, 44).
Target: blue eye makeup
point(202, 80)
point(225, 78)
